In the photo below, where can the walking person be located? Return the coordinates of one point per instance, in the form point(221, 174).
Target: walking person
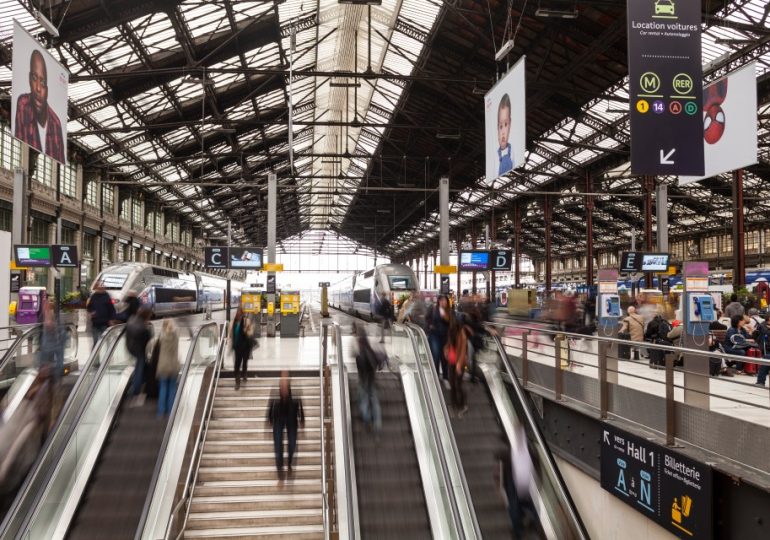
point(138, 335)
point(285, 413)
point(633, 324)
point(242, 341)
point(101, 310)
point(438, 331)
point(386, 313)
point(168, 366)
point(456, 353)
point(368, 400)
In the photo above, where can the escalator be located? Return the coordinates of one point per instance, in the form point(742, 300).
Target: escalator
point(391, 502)
point(99, 472)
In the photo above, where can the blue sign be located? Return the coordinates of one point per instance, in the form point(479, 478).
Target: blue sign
point(474, 260)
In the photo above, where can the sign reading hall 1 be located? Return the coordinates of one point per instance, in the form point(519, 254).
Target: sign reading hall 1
point(667, 487)
point(665, 89)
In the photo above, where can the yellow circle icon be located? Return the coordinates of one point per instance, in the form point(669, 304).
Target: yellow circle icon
point(642, 106)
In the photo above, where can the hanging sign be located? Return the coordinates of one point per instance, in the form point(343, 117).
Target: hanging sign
point(665, 89)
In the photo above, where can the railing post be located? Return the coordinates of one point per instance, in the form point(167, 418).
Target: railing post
point(524, 358)
point(558, 386)
point(604, 386)
point(670, 404)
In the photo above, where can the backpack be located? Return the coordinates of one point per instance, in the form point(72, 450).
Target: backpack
point(762, 337)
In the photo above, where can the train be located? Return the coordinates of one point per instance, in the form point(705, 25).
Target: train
point(167, 291)
point(362, 294)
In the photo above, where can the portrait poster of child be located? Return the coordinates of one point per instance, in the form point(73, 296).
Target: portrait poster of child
point(504, 123)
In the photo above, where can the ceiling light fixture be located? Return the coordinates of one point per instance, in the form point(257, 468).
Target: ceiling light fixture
point(557, 13)
point(453, 136)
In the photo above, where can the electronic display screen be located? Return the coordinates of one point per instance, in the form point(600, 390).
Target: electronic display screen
point(248, 257)
point(33, 255)
point(655, 262)
point(474, 260)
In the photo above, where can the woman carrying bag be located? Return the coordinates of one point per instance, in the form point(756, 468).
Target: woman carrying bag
point(168, 366)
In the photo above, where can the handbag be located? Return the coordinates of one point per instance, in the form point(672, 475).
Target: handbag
point(624, 335)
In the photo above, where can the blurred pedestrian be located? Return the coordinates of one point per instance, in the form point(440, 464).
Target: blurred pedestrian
point(138, 335)
point(438, 332)
point(386, 316)
point(456, 353)
point(285, 413)
point(734, 307)
point(516, 478)
point(130, 308)
point(242, 341)
point(51, 352)
point(168, 366)
point(366, 364)
point(101, 310)
point(633, 325)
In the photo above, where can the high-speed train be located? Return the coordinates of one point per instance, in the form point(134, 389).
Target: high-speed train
point(167, 291)
point(362, 294)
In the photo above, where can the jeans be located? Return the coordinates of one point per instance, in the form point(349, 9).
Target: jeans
point(166, 395)
point(739, 352)
point(136, 387)
point(456, 387)
point(278, 442)
point(96, 333)
point(437, 351)
point(369, 405)
point(241, 362)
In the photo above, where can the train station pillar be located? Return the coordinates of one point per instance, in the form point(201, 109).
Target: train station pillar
point(517, 246)
point(739, 246)
point(548, 217)
point(474, 275)
point(272, 188)
point(648, 184)
point(589, 233)
point(661, 211)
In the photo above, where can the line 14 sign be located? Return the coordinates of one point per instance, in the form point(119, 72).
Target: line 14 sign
point(669, 488)
point(665, 74)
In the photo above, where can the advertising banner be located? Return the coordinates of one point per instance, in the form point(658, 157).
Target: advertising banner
point(729, 123)
point(39, 103)
point(665, 90)
point(667, 487)
point(505, 122)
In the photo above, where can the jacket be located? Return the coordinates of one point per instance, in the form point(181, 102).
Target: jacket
point(460, 344)
point(101, 309)
point(634, 325)
point(138, 335)
point(285, 412)
point(168, 355)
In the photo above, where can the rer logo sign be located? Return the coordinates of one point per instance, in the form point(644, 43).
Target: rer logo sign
point(667, 487)
point(664, 67)
point(216, 257)
point(444, 285)
point(270, 288)
point(501, 259)
point(64, 256)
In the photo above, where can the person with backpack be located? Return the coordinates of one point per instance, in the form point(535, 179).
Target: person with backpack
point(657, 333)
point(737, 339)
point(762, 337)
point(138, 335)
point(242, 341)
point(367, 363)
point(101, 310)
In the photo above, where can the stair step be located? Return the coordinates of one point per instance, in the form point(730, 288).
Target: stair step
point(258, 412)
point(297, 532)
point(261, 433)
point(254, 422)
point(258, 487)
point(264, 472)
point(264, 445)
point(271, 501)
point(255, 458)
point(252, 518)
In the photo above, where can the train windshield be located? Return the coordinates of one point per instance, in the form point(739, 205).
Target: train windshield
point(114, 281)
point(400, 283)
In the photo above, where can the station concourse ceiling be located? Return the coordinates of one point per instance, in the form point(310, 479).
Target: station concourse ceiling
point(189, 101)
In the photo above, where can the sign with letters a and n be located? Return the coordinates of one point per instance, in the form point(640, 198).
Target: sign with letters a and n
point(216, 257)
point(64, 256)
point(667, 487)
point(665, 87)
point(500, 259)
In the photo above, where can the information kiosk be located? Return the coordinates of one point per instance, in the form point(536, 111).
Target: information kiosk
point(290, 313)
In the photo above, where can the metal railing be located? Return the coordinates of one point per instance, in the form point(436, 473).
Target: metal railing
point(324, 490)
point(697, 385)
point(438, 406)
point(197, 452)
point(170, 423)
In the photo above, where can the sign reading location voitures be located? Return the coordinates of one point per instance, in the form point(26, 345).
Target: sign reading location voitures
point(665, 89)
point(669, 488)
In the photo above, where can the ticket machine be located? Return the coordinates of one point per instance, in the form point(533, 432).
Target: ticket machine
point(29, 309)
point(290, 313)
point(251, 304)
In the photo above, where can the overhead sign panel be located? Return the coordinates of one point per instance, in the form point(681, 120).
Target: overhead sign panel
point(501, 259)
point(39, 104)
point(637, 261)
point(505, 123)
point(29, 256)
point(665, 92)
point(667, 487)
point(474, 260)
point(64, 256)
point(216, 257)
point(248, 258)
point(729, 123)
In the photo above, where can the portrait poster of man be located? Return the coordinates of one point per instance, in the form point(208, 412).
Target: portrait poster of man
point(39, 103)
point(505, 123)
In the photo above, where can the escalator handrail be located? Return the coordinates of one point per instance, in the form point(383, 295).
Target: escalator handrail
point(546, 457)
point(416, 332)
point(200, 440)
point(119, 329)
point(324, 492)
point(10, 351)
point(347, 430)
point(169, 428)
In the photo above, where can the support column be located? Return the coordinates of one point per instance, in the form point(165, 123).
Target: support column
point(517, 246)
point(443, 235)
point(648, 183)
point(589, 233)
point(459, 290)
point(474, 274)
point(491, 282)
point(661, 213)
point(272, 187)
point(739, 245)
point(425, 274)
point(435, 262)
point(547, 216)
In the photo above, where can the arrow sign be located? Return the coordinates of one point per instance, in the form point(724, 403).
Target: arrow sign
point(664, 159)
point(606, 437)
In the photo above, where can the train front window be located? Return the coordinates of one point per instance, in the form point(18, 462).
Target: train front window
point(400, 283)
point(114, 281)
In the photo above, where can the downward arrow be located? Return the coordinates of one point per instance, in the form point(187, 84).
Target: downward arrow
point(664, 159)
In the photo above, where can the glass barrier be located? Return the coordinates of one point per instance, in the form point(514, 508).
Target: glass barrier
point(38, 477)
point(24, 353)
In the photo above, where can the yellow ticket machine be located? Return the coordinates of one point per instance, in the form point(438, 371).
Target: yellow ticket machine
point(290, 313)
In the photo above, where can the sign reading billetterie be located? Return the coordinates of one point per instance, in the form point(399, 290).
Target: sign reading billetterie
point(665, 87)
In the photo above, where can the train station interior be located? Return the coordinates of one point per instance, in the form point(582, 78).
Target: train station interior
point(384, 269)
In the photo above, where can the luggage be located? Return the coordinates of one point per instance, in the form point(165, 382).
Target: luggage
point(624, 351)
point(150, 368)
point(748, 367)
